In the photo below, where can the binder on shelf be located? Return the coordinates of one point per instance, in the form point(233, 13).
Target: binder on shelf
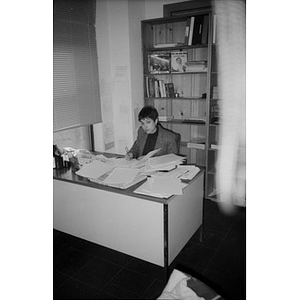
point(147, 86)
point(204, 37)
point(162, 88)
point(191, 31)
point(156, 89)
point(171, 89)
point(214, 29)
point(198, 28)
point(187, 31)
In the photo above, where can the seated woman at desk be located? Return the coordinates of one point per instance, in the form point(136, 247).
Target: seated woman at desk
point(151, 136)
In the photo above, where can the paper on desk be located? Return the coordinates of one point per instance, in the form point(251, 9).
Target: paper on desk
point(94, 170)
point(162, 161)
point(161, 188)
point(121, 176)
point(189, 172)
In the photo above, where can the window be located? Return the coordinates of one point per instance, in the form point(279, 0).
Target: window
point(76, 95)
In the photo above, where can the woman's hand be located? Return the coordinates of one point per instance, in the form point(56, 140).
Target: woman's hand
point(129, 156)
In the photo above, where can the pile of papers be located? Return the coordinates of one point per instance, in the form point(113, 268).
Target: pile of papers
point(161, 187)
point(166, 173)
point(109, 173)
point(165, 162)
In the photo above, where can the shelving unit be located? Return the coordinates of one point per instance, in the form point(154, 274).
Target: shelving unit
point(192, 102)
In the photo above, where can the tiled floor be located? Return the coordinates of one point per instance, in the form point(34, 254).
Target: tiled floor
point(83, 270)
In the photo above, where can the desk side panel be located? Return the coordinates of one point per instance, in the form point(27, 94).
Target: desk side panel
point(120, 222)
point(185, 216)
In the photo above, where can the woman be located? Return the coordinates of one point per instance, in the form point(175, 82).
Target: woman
point(151, 136)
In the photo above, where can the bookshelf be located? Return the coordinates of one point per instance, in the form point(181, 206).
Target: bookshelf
point(180, 80)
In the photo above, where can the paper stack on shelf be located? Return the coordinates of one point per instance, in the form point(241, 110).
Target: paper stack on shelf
point(165, 118)
point(166, 45)
point(197, 143)
point(196, 66)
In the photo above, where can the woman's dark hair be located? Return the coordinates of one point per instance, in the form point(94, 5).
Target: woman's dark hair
point(148, 112)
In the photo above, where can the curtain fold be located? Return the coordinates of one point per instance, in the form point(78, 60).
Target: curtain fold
point(231, 163)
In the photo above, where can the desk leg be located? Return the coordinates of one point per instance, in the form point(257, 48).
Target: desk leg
point(166, 242)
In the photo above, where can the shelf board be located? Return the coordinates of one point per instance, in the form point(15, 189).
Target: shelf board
point(180, 121)
point(176, 73)
point(174, 98)
point(180, 47)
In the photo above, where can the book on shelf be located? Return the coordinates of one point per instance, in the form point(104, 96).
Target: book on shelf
point(204, 36)
point(197, 143)
point(147, 86)
point(198, 28)
point(162, 90)
point(156, 89)
point(214, 34)
point(170, 88)
point(167, 45)
point(178, 61)
point(151, 87)
point(187, 31)
point(191, 31)
point(165, 118)
point(159, 63)
point(196, 66)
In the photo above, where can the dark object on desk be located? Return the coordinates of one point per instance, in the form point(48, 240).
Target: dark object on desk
point(74, 164)
point(59, 163)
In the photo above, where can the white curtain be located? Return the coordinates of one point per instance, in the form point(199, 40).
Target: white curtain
point(231, 164)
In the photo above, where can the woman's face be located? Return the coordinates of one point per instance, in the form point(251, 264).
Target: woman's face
point(149, 125)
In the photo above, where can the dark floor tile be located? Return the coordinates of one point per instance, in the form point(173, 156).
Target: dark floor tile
point(210, 239)
point(195, 257)
point(113, 256)
point(59, 279)
point(146, 268)
point(73, 289)
point(97, 273)
point(71, 261)
point(218, 221)
point(64, 238)
point(103, 295)
point(209, 207)
point(154, 290)
point(120, 292)
point(62, 242)
point(128, 281)
point(89, 247)
point(228, 270)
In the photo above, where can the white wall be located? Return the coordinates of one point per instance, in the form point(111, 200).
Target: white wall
point(118, 32)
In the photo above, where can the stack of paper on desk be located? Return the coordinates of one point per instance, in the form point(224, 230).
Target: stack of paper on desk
point(94, 170)
point(161, 187)
point(183, 172)
point(165, 162)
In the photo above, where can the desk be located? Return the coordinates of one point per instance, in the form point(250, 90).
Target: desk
point(149, 228)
